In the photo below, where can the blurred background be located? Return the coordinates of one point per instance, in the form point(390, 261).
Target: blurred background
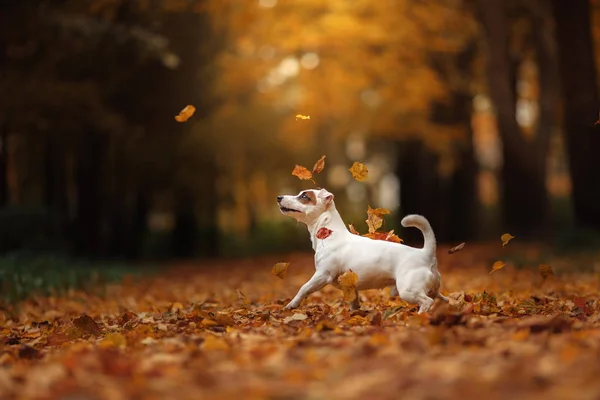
point(478, 114)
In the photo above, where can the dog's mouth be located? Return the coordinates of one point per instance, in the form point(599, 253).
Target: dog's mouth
point(285, 209)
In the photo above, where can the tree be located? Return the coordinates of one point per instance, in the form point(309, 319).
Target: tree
point(580, 107)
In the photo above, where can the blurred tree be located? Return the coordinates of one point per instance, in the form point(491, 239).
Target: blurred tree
point(578, 78)
point(524, 196)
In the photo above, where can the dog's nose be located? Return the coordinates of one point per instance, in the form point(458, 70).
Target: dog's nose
point(279, 198)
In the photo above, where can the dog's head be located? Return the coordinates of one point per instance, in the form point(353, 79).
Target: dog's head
point(307, 206)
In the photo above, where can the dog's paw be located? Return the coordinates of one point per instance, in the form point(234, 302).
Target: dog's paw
point(290, 306)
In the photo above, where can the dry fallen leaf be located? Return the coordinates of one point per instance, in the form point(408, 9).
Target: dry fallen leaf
point(581, 303)
point(359, 171)
point(301, 172)
point(86, 325)
point(280, 269)
point(497, 265)
point(546, 271)
point(353, 229)
point(319, 165)
point(295, 317)
point(185, 114)
point(386, 236)
point(456, 248)
point(348, 281)
point(300, 116)
point(507, 237)
point(324, 233)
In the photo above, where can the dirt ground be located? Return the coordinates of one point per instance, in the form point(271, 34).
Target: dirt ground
point(217, 330)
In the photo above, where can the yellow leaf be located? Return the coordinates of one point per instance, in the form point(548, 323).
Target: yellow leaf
point(348, 281)
point(506, 238)
point(319, 165)
point(212, 343)
point(280, 269)
point(359, 171)
point(546, 271)
point(300, 116)
point(113, 340)
point(497, 265)
point(301, 172)
point(357, 320)
point(185, 114)
point(374, 218)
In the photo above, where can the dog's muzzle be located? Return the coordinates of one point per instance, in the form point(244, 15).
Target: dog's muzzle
point(282, 208)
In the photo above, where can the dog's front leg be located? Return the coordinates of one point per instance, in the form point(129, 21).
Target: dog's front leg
point(318, 281)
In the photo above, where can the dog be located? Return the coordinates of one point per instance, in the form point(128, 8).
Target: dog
point(378, 264)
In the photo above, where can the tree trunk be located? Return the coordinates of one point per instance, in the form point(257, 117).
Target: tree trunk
point(419, 188)
point(185, 233)
point(523, 175)
point(3, 167)
point(90, 165)
point(580, 107)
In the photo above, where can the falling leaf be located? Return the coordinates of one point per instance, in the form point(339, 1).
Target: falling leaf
point(507, 237)
point(300, 116)
point(280, 269)
point(546, 271)
point(87, 325)
point(301, 172)
point(348, 281)
point(241, 295)
point(392, 237)
point(319, 165)
point(456, 248)
point(353, 229)
point(185, 114)
point(359, 171)
point(324, 233)
point(497, 265)
point(375, 218)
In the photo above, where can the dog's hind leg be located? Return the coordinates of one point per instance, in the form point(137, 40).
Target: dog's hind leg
point(394, 291)
point(318, 281)
point(420, 298)
point(442, 297)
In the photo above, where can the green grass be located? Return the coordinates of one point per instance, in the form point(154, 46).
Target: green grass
point(23, 275)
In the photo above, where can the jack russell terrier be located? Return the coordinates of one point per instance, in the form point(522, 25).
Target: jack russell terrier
point(377, 263)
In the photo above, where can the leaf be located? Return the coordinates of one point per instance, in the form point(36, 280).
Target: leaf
point(546, 271)
point(359, 171)
point(348, 281)
point(319, 165)
point(280, 269)
point(241, 295)
point(375, 218)
point(295, 317)
point(392, 237)
point(185, 114)
point(353, 229)
point(387, 236)
point(581, 303)
point(87, 325)
point(497, 265)
point(300, 116)
point(456, 248)
point(324, 233)
point(114, 340)
point(301, 172)
point(215, 343)
point(507, 237)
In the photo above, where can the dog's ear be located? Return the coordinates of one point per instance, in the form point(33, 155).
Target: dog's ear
point(325, 196)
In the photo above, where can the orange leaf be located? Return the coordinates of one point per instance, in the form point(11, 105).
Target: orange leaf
point(456, 248)
point(185, 114)
point(392, 237)
point(301, 172)
point(324, 233)
point(348, 281)
point(280, 269)
point(319, 165)
point(353, 229)
point(359, 171)
point(375, 218)
point(506, 238)
point(300, 116)
point(546, 271)
point(497, 265)
point(86, 324)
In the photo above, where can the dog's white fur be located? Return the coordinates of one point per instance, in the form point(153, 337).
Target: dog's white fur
point(377, 263)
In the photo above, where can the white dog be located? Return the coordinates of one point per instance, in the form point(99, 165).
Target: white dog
point(377, 263)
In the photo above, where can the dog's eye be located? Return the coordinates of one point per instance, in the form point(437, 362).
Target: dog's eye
point(304, 196)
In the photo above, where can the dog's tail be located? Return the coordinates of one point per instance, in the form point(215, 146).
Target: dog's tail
point(418, 221)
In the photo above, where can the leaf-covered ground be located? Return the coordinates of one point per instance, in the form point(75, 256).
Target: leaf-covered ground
point(218, 331)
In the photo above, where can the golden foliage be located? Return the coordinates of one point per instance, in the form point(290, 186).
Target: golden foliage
point(185, 114)
point(348, 281)
point(279, 270)
point(359, 171)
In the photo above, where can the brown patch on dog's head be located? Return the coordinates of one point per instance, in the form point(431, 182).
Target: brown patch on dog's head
point(308, 197)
